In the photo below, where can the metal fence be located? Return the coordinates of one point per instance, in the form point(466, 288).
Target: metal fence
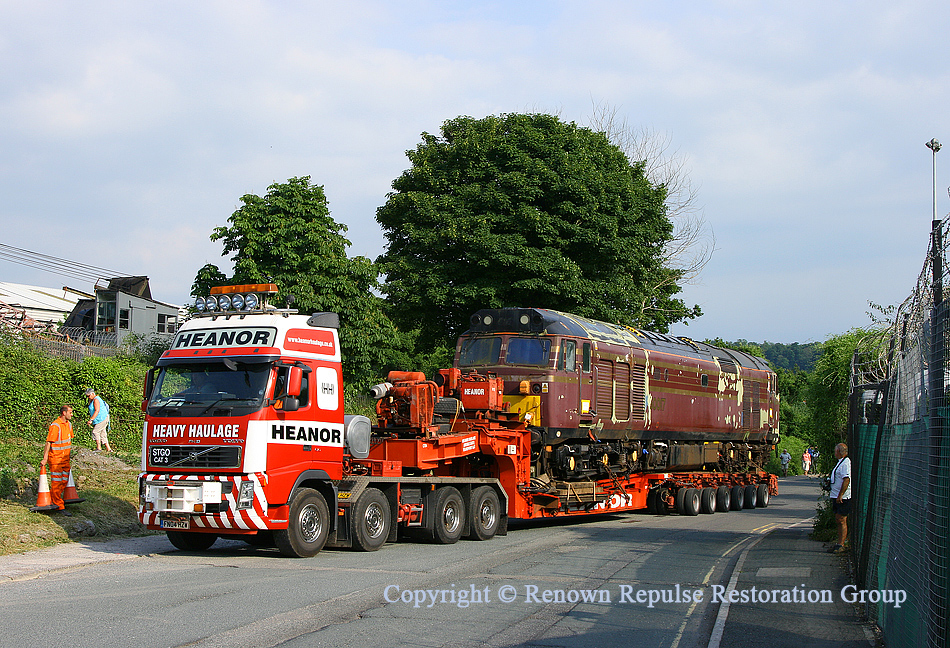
point(70, 349)
point(900, 452)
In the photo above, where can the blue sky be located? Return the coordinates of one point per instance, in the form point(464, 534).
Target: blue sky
point(130, 130)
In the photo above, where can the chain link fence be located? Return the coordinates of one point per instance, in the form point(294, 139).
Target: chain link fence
point(900, 451)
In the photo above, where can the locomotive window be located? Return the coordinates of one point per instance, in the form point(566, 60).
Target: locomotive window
point(705, 380)
point(480, 351)
point(586, 356)
point(568, 359)
point(528, 351)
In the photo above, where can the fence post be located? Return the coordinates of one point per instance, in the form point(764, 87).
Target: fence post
point(937, 531)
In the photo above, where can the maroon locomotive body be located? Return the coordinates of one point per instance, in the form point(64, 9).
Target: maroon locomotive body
point(602, 398)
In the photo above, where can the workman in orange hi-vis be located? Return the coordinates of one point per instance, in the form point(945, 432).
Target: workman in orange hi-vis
point(59, 443)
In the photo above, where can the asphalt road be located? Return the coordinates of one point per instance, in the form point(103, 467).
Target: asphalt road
point(564, 583)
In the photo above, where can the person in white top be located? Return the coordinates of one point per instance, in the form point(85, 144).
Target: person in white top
point(841, 495)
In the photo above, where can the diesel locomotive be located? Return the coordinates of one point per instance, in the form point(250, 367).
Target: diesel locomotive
point(603, 400)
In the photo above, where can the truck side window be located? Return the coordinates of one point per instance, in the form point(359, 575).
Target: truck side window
point(283, 378)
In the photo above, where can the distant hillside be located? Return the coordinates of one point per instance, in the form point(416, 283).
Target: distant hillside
point(787, 356)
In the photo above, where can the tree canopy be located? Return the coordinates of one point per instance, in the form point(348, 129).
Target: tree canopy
point(525, 210)
point(288, 237)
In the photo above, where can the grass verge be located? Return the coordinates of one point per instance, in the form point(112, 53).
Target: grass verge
point(108, 483)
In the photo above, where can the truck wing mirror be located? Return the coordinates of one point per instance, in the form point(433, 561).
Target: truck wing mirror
point(294, 381)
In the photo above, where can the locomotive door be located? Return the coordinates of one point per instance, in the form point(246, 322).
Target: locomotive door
point(569, 370)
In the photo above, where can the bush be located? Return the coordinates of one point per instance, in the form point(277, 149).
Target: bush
point(33, 387)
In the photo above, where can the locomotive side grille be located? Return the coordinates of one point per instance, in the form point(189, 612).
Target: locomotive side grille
point(638, 387)
point(756, 422)
point(622, 391)
point(605, 389)
point(746, 404)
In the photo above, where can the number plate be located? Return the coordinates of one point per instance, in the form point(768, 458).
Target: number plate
point(183, 522)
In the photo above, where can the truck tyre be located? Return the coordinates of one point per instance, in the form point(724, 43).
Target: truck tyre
point(651, 502)
point(681, 501)
point(448, 515)
point(692, 501)
point(371, 520)
point(737, 498)
point(191, 541)
point(762, 496)
point(723, 499)
point(749, 497)
point(484, 514)
point(661, 505)
point(307, 527)
point(708, 500)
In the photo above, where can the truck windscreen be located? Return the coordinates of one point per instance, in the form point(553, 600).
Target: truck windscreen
point(204, 389)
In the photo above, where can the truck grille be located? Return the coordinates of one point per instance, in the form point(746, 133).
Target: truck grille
point(195, 457)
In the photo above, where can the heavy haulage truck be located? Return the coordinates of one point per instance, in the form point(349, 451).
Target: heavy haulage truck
point(544, 414)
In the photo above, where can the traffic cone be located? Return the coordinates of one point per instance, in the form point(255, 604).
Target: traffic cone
point(71, 496)
point(44, 501)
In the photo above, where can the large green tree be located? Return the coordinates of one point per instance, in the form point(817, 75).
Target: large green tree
point(289, 238)
point(525, 210)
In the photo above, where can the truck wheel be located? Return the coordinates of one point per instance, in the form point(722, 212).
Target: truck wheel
point(308, 525)
point(448, 513)
point(749, 497)
point(723, 499)
point(708, 496)
point(191, 541)
point(485, 513)
point(691, 501)
point(661, 505)
point(737, 498)
point(371, 521)
point(762, 496)
point(651, 502)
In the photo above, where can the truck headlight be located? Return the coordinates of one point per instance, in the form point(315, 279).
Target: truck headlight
point(246, 495)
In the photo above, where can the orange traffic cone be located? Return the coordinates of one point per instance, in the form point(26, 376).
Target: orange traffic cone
point(44, 501)
point(71, 496)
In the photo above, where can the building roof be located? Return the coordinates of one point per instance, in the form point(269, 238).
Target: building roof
point(41, 304)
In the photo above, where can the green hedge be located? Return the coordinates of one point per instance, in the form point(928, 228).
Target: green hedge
point(33, 386)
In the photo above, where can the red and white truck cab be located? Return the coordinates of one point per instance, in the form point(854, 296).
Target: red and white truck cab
point(245, 429)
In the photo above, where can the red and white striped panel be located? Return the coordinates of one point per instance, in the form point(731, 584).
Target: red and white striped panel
point(252, 518)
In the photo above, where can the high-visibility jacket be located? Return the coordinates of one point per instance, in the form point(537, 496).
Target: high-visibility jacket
point(60, 437)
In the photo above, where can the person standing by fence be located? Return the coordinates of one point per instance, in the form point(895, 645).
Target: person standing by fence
point(841, 495)
point(99, 420)
point(59, 443)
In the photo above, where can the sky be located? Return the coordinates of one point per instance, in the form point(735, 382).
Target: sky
point(129, 131)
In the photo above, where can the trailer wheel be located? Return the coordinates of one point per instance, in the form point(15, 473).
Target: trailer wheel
point(651, 502)
point(308, 525)
point(762, 496)
point(681, 501)
point(708, 500)
point(737, 498)
point(191, 541)
point(749, 497)
point(448, 513)
point(692, 501)
point(723, 499)
point(661, 506)
point(371, 520)
point(485, 513)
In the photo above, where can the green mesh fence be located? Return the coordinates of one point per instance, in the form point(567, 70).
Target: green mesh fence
point(900, 450)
